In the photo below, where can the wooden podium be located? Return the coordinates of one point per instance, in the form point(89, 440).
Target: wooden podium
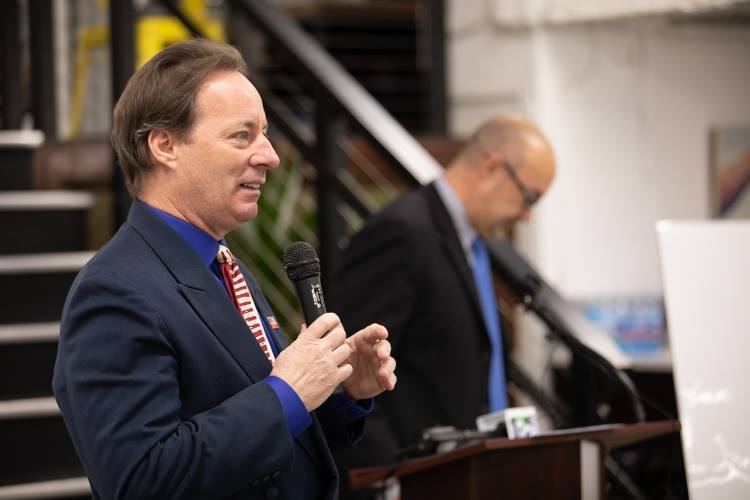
point(566, 464)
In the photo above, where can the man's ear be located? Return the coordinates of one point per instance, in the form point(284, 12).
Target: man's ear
point(162, 146)
point(491, 165)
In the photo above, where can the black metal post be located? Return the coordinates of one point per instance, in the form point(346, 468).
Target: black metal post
point(10, 65)
point(122, 46)
point(330, 125)
point(42, 47)
point(431, 16)
point(586, 392)
point(238, 30)
point(186, 22)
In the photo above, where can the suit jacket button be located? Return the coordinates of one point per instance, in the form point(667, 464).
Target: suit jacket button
point(272, 493)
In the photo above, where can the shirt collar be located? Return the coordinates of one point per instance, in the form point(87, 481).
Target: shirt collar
point(466, 232)
point(200, 241)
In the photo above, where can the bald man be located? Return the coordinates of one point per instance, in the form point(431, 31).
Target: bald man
point(420, 267)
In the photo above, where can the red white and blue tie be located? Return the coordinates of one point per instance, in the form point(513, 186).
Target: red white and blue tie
point(239, 291)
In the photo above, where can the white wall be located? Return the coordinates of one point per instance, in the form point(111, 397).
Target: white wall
point(628, 106)
point(537, 12)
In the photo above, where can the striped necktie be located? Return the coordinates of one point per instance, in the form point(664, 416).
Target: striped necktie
point(239, 291)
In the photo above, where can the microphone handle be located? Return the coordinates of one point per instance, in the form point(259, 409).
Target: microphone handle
point(310, 295)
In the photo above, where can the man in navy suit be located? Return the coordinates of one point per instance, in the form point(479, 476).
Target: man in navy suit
point(164, 390)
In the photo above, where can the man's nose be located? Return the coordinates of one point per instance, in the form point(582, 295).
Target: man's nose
point(266, 155)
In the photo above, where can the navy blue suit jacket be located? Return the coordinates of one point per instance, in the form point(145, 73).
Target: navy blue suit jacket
point(157, 380)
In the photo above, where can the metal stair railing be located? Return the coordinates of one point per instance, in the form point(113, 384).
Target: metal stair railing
point(338, 85)
point(344, 197)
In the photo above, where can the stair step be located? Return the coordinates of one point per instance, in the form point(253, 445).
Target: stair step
point(380, 46)
point(16, 151)
point(29, 333)
point(35, 443)
point(28, 408)
point(377, 42)
point(28, 139)
point(332, 15)
point(45, 200)
point(75, 487)
point(279, 62)
point(44, 221)
point(44, 262)
point(33, 287)
point(27, 360)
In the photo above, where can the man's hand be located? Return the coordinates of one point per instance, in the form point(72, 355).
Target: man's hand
point(372, 364)
point(315, 363)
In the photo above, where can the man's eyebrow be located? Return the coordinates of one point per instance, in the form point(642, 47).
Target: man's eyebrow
point(251, 125)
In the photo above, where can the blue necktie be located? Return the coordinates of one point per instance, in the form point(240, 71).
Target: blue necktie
point(483, 278)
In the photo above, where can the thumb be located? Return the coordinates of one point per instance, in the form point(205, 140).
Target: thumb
point(373, 333)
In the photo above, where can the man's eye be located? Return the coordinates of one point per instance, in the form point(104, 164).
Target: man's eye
point(241, 135)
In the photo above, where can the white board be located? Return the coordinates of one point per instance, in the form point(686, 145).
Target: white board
point(706, 279)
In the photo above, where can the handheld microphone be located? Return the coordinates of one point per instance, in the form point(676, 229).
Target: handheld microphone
point(303, 269)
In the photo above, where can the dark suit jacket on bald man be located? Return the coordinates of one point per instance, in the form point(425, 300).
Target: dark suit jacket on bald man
point(407, 268)
point(411, 268)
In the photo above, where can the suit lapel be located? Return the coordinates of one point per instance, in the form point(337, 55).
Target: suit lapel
point(221, 317)
point(452, 248)
point(204, 294)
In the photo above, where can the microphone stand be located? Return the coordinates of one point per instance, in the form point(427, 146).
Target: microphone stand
point(537, 296)
point(556, 313)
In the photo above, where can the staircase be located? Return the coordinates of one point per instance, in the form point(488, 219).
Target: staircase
point(46, 240)
point(380, 44)
point(42, 249)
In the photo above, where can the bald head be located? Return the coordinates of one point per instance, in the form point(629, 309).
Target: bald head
point(506, 165)
point(505, 135)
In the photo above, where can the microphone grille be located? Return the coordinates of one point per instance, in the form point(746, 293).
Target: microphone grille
point(301, 261)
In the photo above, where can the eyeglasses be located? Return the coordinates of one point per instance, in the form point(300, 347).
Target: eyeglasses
point(529, 195)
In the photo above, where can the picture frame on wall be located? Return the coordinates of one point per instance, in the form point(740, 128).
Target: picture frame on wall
point(730, 171)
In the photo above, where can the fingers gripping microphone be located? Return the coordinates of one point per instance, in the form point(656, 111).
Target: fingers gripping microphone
point(303, 268)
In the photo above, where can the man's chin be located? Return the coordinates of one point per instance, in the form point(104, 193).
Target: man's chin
point(240, 217)
point(502, 231)
point(247, 212)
